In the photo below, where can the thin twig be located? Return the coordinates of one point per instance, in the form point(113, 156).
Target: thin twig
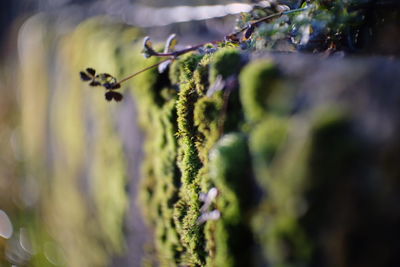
point(175, 54)
point(252, 24)
point(143, 70)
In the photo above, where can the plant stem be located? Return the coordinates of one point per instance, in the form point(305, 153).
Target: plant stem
point(143, 70)
point(272, 16)
point(185, 50)
point(175, 54)
point(255, 23)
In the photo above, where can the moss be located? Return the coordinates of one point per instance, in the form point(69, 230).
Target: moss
point(161, 181)
point(257, 81)
point(309, 176)
point(171, 188)
point(201, 74)
point(189, 164)
point(174, 72)
point(291, 165)
point(207, 119)
point(230, 171)
point(226, 62)
point(182, 70)
point(198, 128)
point(267, 139)
point(186, 155)
point(276, 222)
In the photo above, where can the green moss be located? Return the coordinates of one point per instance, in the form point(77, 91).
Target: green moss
point(174, 72)
point(230, 171)
point(257, 81)
point(161, 181)
point(189, 164)
point(280, 166)
point(226, 62)
point(207, 119)
point(201, 74)
point(301, 170)
point(171, 188)
point(182, 70)
point(267, 139)
point(187, 154)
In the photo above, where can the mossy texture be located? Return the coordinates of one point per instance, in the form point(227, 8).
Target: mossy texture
point(289, 184)
point(196, 128)
point(279, 169)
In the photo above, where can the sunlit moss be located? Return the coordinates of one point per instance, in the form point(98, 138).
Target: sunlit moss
point(196, 128)
point(276, 182)
point(257, 82)
point(201, 74)
point(226, 62)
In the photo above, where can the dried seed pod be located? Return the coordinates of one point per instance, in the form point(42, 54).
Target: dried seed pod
point(147, 43)
point(148, 50)
point(170, 44)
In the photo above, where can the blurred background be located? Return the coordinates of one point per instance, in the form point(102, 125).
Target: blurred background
point(69, 160)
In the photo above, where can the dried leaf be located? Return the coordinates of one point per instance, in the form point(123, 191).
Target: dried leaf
point(108, 86)
point(84, 76)
point(248, 32)
point(113, 95)
point(116, 86)
point(118, 96)
point(94, 83)
point(91, 71)
point(109, 96)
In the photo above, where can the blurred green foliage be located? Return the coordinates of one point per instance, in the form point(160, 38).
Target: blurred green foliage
point(72, 170)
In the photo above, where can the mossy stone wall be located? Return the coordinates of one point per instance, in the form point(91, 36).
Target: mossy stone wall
point(302, 151)
point(292, 152)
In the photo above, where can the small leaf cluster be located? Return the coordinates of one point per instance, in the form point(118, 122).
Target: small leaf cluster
point(106, 80)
